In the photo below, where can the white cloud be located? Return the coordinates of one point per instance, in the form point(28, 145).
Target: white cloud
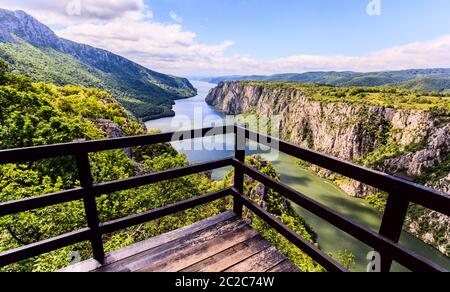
point(126, 27)
point(427, 54)
point(164, 47)
point(176, 17)
point(63, 12)
point(171, 49)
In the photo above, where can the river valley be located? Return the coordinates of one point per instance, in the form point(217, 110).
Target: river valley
point(195, 113)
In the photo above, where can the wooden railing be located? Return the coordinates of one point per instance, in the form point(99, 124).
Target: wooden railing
point(401, 193)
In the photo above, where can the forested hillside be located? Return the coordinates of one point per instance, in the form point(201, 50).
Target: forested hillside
point(35, 51)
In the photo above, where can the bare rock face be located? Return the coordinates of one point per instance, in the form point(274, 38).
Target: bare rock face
point(347, 131)
point(439, 224)
point(112, 131)
point(443, 184)
point(433, 228)
point(435, 150)
point(22, 25)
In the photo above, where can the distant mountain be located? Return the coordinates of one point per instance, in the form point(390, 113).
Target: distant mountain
point(428, 80)
point(34, 50)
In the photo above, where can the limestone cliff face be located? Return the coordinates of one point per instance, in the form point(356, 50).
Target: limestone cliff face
point(347, 131)
point(402, 142)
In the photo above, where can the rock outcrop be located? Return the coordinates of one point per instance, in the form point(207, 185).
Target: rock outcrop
point(112, 131)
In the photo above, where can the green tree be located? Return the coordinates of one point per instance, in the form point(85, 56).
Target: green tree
point(3, 69)
point(347, 259)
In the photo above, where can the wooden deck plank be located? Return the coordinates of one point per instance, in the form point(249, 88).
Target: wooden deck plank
point(285, 266)
point(135, 262)
point(195, 253)
point(115, 256)
point(221, 243)
point(261, 262)
point(174, 235)
point(231, 256)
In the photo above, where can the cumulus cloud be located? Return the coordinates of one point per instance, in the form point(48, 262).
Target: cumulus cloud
point(197, 59)
point(175, 17)
point(126, 27)
point(164, 47)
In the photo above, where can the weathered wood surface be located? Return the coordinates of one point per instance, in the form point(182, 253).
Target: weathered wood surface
point(217, 244)
point(230, 257)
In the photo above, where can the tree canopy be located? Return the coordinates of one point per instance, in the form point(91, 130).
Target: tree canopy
point(3, 69)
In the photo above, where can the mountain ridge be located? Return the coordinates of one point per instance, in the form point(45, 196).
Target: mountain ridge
point(428, 80)
point(146, 93)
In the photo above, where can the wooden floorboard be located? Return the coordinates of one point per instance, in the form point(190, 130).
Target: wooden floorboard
point(260, 262)
point(144, 259)
point(230, 257)
point(115, 256)
point(221, 243)
point(195, 253)
point(285, 266)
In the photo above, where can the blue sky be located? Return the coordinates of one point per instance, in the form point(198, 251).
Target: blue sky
point(221, 37)
point(271, 29)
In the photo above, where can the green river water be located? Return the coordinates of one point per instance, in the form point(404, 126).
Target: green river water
point(331, 239)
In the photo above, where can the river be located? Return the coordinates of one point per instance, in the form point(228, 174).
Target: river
point(195, 113)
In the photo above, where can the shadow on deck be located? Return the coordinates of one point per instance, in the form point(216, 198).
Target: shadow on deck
point(224, 243)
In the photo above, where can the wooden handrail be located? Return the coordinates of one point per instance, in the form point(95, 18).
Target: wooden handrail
point(401, 193)
point(427, 197)
point(405, 257)
point(26, 154)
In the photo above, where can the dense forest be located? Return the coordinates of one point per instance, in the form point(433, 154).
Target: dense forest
point(38, 113)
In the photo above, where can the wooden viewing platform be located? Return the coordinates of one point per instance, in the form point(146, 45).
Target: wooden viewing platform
point(224, 243)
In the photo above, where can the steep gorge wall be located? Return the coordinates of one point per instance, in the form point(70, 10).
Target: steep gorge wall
point(402, 142)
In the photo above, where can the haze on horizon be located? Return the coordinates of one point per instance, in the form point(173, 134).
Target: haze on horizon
point(242, 37)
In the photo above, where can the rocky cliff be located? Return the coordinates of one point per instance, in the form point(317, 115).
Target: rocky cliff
point(407, 142)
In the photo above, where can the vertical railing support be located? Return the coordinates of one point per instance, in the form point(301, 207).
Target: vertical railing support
point(90, 206)
point(239, 152)
point(392, 224)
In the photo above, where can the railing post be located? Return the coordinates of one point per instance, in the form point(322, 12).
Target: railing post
point(392, 224)
point(90, 205)
point(239, 152)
